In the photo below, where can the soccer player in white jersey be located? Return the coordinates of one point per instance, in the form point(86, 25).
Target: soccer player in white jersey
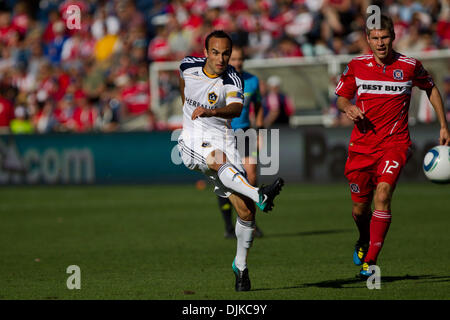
point(212, 95)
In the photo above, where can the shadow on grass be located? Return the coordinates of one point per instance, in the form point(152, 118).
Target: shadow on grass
point(356, 282)
point(307, 233)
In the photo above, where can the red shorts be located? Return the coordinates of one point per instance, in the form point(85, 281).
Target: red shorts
point(365, 171)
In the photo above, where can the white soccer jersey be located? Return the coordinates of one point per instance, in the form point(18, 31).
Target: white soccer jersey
point(203, 91)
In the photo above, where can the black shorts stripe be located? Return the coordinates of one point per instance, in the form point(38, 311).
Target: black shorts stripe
point(191, 153)
point(193, 156)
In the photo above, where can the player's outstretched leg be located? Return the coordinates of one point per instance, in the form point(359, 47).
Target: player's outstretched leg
point(236, 181)
point(245, 226)
point(230, 176)
point(226, 209)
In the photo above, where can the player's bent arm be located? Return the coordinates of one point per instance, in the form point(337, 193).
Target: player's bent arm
point(436, 101)
point(230, 111)
point(350, 110)
point(182, 89)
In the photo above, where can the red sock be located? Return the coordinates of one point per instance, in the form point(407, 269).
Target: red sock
point(363, 224)
point(379, 226)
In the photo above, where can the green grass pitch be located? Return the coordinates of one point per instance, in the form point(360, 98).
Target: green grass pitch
point(166, 242)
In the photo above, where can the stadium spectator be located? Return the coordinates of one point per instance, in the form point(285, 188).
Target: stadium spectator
point(301, 25)
point(44, 120)
point(21, 19)
point(287, 47)
point(278, 107)
point(259, 41)
point(84, 115)
point(443, 27)
point(179, 39)
point(21, 123)
point(7, 30)
point(407, 9)
point(136, 114)
point(135, 96)
point(49, 34)
point(159, 47)
point(107, 44)
point(129, 16)
point(63, 114)
point(6, 114)
point(53, 49)
point(108, 116)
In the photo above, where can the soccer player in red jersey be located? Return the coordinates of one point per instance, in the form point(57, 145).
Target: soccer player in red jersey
point(380, 144)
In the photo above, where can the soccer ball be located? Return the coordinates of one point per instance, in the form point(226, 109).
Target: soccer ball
point(436, 164)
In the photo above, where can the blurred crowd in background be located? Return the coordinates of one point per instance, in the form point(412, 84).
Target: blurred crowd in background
point(96, 78)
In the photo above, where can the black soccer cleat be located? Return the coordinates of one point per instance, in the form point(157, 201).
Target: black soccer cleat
point(257, 233)
point(268, 193)
point(242, 279)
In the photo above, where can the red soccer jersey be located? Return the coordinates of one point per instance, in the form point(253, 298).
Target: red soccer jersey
point(6, 112)
point(383, 94)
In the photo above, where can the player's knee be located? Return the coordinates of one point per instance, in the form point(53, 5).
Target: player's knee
point(246, 214)
point(383, 194)
point(216, 159)
point(360, 208)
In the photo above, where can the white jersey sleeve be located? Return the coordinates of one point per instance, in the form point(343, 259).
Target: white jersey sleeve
point(234, 86)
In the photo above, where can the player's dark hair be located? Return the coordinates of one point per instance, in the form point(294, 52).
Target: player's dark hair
point(217, 34)
point(386, 23)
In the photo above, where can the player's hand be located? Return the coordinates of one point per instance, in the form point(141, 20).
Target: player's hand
point(201, 112)
point(444, 137)
point(354, 113)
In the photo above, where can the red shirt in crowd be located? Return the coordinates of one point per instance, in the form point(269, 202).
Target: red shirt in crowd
point(159, 49)
point(6, 112)
point(84, 118)
point(6, 33)
point(136, 98)
point(20, 23)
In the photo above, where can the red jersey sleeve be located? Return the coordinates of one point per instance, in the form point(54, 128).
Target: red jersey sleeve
point(422, 78)
point(347, 84)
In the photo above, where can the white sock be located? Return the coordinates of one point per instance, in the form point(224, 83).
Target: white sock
point(244, 234)
point(234, 180)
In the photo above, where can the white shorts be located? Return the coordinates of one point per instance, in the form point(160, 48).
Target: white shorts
point(195, 150)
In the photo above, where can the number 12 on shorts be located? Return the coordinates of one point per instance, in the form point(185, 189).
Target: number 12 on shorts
point(389, 166)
